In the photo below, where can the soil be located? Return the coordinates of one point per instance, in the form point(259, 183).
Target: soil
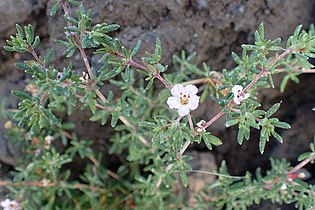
point(211, 28)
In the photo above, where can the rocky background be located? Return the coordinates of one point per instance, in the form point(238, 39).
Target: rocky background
point(210, 27)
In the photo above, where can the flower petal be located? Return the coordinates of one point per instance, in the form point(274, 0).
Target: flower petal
point(193, 102)
point(183, 110)
point(236, 89)
point(177, 89)
point(246, 95)
point(191, 90)
point(236, 99)
point(5, 203)
point(173, 102)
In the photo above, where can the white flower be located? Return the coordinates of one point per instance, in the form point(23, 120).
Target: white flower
point(283, 187)
point(45, 182)
point(48, 140)
point(183, 98)
point(238, 95)
point(200, 126)
point(85, 77)
point(10, 205)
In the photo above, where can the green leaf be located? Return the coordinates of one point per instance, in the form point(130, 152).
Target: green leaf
point(49, 55)
point(262, 142)
point(261, 31)
point(240, 135)
point(283, 125)
point(284, 83)
point(277, 136)
point(211, 139)
point(150, 83)
point(303, 60)
point(250, 120)
point(272, 110)
point(158, 50)
point(114, 120)
point(71, 20)
point(36, 42)
point(21, 95)
point(112, 27)
point(304, 156)
point(21, 66)
point(97, 115)
point(183, 177)
point(271, 81)
point(19, 31)
point(236, 58)
point(52, 117)
point(136, 48)
point(113, 73)
point(55, 8)
point(69, 51)
point(9, 49)
point(126, 75)
point(248, 47)
point(146, 124)
point(297, 31)
point(230, 123)
point(29, 30)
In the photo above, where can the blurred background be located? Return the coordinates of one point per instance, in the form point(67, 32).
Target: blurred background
point(213, 29)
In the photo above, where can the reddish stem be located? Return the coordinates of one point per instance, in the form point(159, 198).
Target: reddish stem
point(43, 98)
point(137, 65)
point(32, 51)
point(256, 78)
point(302, 164)
point(41, 184)
point(77, 41)
point(158, 76)
point(215, 118)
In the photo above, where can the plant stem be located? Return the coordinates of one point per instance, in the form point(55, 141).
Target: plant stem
point(215, 118)
point(32, 51)
point(191, 123)
point(302, 164)
point(77, 41)
point(158, 76)
point(123, 119)
point(302, 70)
point(195, 81)
point(41, 184)
point(43, 98)
point(139, 66)
point(277, 59)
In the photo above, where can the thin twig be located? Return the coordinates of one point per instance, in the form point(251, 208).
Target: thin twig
point(42, 184)
point(214, 174)
point(302, 164)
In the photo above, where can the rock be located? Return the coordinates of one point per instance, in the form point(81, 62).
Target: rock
point(201, 163)
point(17, 11)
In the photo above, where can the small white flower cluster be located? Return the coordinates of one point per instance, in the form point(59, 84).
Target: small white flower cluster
point(10, 205)
point(200, 126)
point(47, 143)
point(48, 140)
point(184, 99)
point(239, 96)
point(85, 77)
point(59, 75)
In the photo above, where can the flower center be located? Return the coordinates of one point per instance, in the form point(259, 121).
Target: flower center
point(184, 99)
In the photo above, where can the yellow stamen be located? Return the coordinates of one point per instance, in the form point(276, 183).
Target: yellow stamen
point(184, 100)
